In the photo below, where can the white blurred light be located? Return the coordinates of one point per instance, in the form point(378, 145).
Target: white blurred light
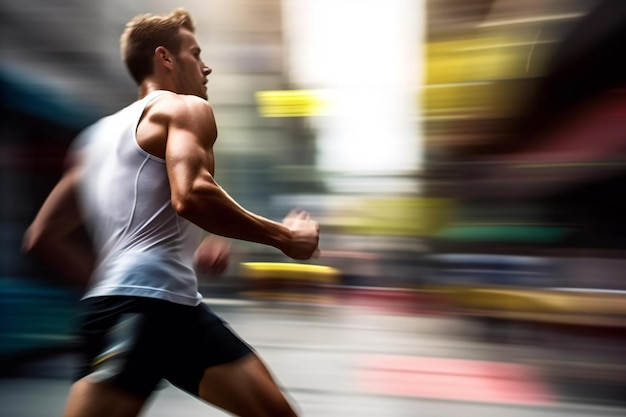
point(368, 53)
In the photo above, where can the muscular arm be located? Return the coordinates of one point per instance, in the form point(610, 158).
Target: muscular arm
point(52, 235)
point(195, 193)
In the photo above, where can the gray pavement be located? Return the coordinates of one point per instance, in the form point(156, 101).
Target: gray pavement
point(328, 359)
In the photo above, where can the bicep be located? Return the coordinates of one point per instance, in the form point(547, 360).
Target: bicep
point(189, 154)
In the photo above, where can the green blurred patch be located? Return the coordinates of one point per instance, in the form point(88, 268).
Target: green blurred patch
point(506, 233)
point(34, 315)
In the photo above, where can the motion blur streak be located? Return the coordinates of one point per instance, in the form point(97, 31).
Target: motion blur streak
point(465, 160)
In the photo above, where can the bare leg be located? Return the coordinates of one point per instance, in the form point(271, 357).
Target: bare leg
point(91, 399)
point(245, 388)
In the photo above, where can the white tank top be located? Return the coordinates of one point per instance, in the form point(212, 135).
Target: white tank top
point(144, 248)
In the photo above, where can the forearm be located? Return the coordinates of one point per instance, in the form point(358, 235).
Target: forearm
point(72, 258)
point(212, 209)
point(56, 234)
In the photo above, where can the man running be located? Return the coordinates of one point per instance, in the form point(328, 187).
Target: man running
point(142, 182)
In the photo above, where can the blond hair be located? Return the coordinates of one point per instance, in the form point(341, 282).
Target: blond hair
point(145, 33)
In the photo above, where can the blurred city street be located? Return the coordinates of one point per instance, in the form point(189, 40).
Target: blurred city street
point(351, 358)
point(465, 162)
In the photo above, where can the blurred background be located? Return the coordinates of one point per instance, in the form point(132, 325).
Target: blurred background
point(463, 158)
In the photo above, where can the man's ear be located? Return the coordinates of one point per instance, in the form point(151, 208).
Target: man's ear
point(163, 56)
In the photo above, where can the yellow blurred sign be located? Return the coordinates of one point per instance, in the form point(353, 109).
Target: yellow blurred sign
point(396, 216)
point(292, 103)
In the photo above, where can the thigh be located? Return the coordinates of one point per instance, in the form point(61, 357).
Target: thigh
point(220, 368)
point(205, 341)
point(87, 398)
point(245, 388)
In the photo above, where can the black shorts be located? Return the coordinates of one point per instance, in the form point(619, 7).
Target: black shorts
point(135, 342)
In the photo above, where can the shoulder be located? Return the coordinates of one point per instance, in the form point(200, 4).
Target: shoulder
point(181, 107)
point(183, 115)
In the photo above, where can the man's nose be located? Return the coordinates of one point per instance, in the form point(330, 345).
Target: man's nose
point(207, 70)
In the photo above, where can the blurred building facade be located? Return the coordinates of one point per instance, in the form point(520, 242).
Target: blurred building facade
point(519, 102)
point(524, 121)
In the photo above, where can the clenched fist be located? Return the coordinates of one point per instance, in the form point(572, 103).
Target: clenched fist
point(212, 256)
point(305, 233)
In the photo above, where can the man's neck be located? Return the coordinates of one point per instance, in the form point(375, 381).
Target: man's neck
point(149, 86)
